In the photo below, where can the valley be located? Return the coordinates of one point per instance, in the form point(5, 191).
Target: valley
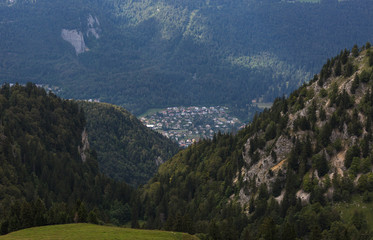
point(257, 119)
point(300, 169)
point(187, 125)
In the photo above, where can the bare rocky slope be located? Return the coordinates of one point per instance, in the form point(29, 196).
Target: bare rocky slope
point(318, 107)
point(282, 174)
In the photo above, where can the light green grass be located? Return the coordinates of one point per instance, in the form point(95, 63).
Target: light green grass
point(85, 231)
point(150, 112)
point(347, 209)
point(263, 105)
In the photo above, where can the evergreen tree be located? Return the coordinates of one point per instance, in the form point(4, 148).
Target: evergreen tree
point(348, 69)
point(338, 69)
point(355, 51)
point(355, 84)
point(320, 163)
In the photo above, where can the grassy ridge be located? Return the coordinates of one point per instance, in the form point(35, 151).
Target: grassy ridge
point(84, 231)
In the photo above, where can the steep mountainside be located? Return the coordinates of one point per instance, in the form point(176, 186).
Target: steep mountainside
point(280, 177)
point(48, 173)
point(126, 149)
point(156, 53)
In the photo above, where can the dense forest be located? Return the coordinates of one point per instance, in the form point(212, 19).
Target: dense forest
point(170, 53)
point(48, 174)
point(289, 174)
point(126, 149)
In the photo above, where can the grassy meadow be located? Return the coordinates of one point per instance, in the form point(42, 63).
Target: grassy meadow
point(83, 231)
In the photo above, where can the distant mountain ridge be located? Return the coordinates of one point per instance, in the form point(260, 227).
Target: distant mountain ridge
point(160, 53)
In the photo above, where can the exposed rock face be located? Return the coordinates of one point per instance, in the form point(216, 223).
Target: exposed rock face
point(263, 164)
point(303, 196)
point(159, 161)
point(85, 146)
point(93, 26)
point(261, 171)
point(75, 38)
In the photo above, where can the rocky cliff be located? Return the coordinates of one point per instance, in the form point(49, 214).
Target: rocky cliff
point(76, 37)
point(329, 116)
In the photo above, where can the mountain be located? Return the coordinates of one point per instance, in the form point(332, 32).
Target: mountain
point(157, 53)
point(49, 174)
point(126, 149)
point(287, 175)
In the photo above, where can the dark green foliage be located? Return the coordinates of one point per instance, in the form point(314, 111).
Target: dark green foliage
point(288, 232)
point(344, 56)
point(348, 69)
point(352, 152)
point(323, 93)
point(325, 72)
point(81, 214)
point(120, 213)
point(355, 127)
point(344, 100)
point(267, 229)
point(370, 58)
point(366, 107)
point(302, 123)
point(355, 84)
point(366, 197)
point(43, 173)
point(320, 163)
point(219, 159)
point(333, 94)
point(322, 114)
point(365, 76)
point(355, 51)
point(146, 58)
point(338, 69)
point(270, 132)
point(207, 179)
point(359, 221)
point(126, 149)
point(92, 217)
point(325, 132)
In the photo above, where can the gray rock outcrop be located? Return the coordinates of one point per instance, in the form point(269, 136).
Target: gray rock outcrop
point(75, 38)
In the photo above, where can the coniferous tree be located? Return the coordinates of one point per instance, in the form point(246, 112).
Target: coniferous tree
point(348, 69)
point(355, 51)
point(364, 76)
point(355, 84)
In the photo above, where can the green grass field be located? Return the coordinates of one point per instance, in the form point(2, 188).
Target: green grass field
point(150, 112)
point(83, 231)
point(263, 105)
point(347, 209)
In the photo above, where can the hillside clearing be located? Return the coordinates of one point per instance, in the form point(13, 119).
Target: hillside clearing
point(84, 231)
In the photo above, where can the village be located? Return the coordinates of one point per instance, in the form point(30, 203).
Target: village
point(187, 125)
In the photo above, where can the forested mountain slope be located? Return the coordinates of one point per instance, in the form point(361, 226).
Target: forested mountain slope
point(156, 53)
point(283, 176)
point(48, 173)
point(126, 149)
